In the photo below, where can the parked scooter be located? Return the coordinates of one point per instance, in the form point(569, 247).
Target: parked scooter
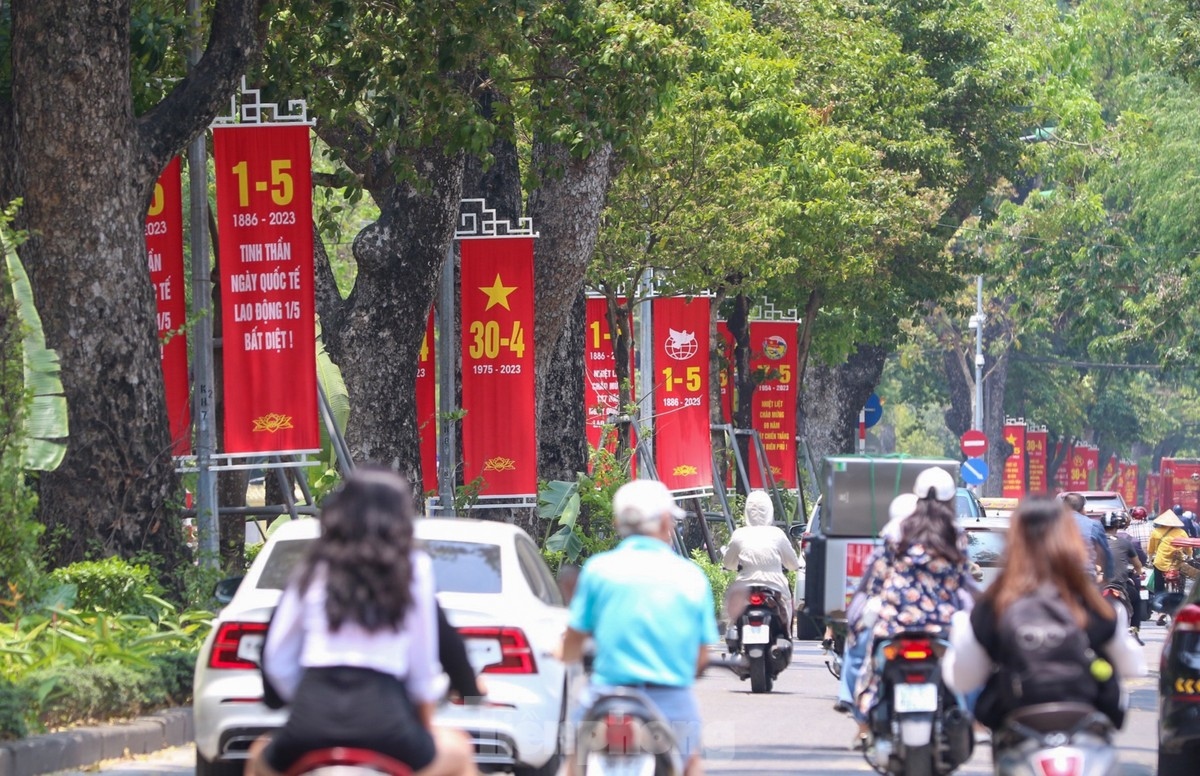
point(760, 635)
point(1057, 739)
point(917, 727)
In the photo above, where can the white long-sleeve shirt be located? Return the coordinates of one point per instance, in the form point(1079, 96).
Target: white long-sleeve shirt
point(763, 552)
point(966, 665)
point(300, 638)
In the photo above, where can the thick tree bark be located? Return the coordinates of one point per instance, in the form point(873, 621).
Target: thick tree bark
point(830, 400)
point(378, 343)
point(565, 208)
point(86, 168)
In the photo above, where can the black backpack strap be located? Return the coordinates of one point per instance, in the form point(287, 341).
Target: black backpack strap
point(983, 622)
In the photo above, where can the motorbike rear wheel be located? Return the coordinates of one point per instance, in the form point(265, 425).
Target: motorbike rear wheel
point(760, 675)
point(918, 761)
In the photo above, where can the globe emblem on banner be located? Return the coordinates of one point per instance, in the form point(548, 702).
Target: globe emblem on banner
point(774, 347)
point(681, 345)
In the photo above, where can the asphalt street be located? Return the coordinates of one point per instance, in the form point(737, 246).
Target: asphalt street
point(793, 729)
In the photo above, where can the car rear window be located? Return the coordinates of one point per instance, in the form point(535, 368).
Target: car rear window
point(1103, 504)
point(986, 547)
point(465, 567)
point(458, 567)
point(284, 557)
point(966, 506)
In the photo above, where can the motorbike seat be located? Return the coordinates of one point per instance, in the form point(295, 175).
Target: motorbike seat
point(626, 701)
point(348, 757)
point(1066, 718)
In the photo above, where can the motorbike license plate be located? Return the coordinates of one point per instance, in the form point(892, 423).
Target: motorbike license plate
point(1145, 594)
point(600, 764)
point(916, 697)
point(756, 634)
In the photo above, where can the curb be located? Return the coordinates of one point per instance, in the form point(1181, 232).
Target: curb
point(83, 746)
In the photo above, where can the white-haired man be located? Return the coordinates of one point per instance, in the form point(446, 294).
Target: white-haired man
point(649, 612)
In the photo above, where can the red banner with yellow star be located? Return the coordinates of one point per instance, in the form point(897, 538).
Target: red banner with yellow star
point(268, 311)
point(427, 409)
point(164, 254)
point(1013, 482)
point(498, 429)
point(772, 357)
point(682, 440)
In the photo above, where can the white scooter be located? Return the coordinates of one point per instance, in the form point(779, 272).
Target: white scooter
point(1056, 739)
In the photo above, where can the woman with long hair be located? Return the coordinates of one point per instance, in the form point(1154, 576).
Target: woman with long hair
point(353, 644)
point(1041, 603)
point(924, 579)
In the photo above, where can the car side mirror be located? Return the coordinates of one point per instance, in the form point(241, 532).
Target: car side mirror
point(223, 591)
point(797, 531)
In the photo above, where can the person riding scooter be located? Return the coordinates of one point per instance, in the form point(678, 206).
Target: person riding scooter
point(760, 552)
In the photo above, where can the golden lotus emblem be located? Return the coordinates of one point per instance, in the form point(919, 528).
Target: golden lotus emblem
point(272, 422)
point(500, 464)
point(685, 470)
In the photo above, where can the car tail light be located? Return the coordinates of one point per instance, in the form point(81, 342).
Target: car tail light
point(1187, 619)
point(620, 734)
point(1061, 764)
point(757, 599)
point(238, 645)
point(916, 649)
point(516, 655)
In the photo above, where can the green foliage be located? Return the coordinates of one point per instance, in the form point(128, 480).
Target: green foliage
point(718, 577)
point(15, 700)
point(252, 551)
point(111, 585)
point(71, 695)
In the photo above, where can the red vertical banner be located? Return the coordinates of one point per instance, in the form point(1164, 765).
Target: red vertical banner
point(1013, 482)
point(1108, 477)
point(427, 424)
point(268, 312)
point(1129, 478)
point(499, 432)
point(773, 354)
point(1062, 476)
point(682, 440)
point(1077, 476)
point(1091, 458)
point(1152, 494)
point(1035, 447)
point(164, 256)
point(601, 394)
point(725, 340)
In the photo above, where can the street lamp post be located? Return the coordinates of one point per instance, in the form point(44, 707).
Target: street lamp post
point(976, 322)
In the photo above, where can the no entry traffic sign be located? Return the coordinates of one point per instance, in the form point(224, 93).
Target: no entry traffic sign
point(974, 444)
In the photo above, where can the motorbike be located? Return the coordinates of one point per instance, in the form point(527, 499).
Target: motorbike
point(760, 635)
point(1056, 739)
point(347, 761)
point(622, 733)
point(917, 727)
point(1120, 595)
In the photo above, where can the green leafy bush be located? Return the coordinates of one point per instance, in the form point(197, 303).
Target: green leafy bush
point(14, 703)
point(110, 585)
point(718, 577)
point(68, 694)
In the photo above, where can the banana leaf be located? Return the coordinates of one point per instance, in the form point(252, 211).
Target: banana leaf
point(46, 426)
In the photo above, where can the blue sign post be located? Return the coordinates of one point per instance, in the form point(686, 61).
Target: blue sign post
point(974, 471)
point(873, 410)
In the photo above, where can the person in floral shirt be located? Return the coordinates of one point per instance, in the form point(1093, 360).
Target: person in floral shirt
point(924, 578)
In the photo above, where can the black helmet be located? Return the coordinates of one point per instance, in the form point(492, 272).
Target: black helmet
point(1114, 518)
point(1178, 510)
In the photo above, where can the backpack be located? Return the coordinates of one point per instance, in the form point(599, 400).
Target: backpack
point(1043, 656)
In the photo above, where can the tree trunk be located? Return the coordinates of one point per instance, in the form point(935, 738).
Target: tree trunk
point(377, 346)
point(86, 168)
point(831, 398)
point(565, 208)
point(742, 381)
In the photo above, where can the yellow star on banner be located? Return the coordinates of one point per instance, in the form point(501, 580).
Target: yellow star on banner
point(497, 293)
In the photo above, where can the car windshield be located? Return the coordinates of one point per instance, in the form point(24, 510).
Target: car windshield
point(465, 567)
point(985, 547)
point(966, 505)
point(1103, 503)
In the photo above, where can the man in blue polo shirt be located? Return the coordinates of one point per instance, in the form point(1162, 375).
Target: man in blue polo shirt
point(649, 612)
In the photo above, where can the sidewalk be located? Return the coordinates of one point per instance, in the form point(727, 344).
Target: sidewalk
point(86, 746)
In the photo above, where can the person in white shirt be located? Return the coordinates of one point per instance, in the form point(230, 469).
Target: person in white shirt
point(760, 551)
point(353, 647)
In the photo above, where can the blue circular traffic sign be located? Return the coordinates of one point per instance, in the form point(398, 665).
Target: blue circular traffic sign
point(974, 471)
point(873, 410)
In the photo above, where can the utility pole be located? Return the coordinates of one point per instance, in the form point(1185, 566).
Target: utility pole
point(203, 402)
point(976, 323)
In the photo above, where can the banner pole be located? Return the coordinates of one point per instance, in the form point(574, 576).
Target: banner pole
point(447, 357)
point(207, 521)
point(645, 398)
